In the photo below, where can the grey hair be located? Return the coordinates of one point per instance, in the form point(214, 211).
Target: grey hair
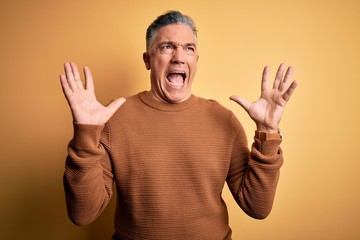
point(167, 18)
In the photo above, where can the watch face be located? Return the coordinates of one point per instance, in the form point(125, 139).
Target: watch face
point(268, 136)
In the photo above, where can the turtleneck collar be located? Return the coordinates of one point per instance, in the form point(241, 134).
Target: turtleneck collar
point(150, 101)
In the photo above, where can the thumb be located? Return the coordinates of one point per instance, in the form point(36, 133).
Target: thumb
point(241, 101)
point(115, 105)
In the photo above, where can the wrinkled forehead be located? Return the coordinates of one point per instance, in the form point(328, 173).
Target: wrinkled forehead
point(178, 33)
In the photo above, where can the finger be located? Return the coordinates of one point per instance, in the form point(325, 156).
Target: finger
point(65, 86)
point(76, 75)
point(279, 76)
point(265, 79)
point(70, 76)
point(242, 102)
point(290, 90)
point(115, 105)
point(89, 83)
point(285, 82)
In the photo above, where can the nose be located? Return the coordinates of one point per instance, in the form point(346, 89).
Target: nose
point(178, 56)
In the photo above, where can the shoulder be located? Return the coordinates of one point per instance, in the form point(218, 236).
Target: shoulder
point(213, 109)
point(131, 102)
point(131, 106)
point(213, 106)
point(217, 111)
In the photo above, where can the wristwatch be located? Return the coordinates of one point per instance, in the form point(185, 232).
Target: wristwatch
point(263, 136)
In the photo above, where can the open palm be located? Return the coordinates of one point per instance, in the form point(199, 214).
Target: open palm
point(268, 109)
point(82, 101)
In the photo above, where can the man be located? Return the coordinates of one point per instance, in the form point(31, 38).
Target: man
point(168, 151)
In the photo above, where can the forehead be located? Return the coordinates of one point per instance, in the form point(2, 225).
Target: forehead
point(177, 32)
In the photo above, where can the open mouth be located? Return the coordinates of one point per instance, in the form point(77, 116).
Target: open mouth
point(176, 78)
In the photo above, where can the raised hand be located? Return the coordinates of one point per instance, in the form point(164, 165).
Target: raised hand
point(84, 107)
point(268, 109)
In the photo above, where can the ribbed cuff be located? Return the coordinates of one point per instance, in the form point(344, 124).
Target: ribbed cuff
point(267, 147)
point(86, 135)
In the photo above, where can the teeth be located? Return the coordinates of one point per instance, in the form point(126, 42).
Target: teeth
point(176, 72)
point(175, 82)
point(176, 85)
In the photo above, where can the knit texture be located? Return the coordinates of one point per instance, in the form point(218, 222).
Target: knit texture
point(169, 163)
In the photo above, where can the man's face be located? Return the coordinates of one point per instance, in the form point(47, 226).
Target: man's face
point(172, 58)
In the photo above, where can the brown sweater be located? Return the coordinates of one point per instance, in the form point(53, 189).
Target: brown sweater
point(169, 163)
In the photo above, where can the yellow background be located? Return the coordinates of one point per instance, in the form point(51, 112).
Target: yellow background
point(318, 194)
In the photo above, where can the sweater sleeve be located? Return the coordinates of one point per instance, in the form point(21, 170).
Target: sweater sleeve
point(88, 174)
point(253, 176)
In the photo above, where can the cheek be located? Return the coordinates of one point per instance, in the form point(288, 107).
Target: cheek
point(193, 66)
point(158, 71)
point(159, 65)
point(193, 60)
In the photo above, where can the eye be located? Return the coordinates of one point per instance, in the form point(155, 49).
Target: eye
point(166, 48)
point(190, 49)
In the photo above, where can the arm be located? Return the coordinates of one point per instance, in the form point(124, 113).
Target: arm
point(253, 180)
point(88, 174)
point(253, 176)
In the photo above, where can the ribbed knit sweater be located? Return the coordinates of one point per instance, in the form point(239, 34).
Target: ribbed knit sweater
point(169, 163)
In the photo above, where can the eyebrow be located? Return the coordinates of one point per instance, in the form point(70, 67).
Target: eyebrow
point(176, 43)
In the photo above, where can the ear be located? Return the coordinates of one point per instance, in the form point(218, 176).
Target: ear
point(146, 58)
